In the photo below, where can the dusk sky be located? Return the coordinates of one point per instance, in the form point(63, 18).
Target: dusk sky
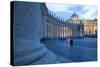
point(66, 10)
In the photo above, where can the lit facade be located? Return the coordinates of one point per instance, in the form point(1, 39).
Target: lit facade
point(90, 27)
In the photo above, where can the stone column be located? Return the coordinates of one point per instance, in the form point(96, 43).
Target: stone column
point(26, 47)
point(57, 30)
point(51, 30)
point(44, 26)
point(54, 30)
point(47, 29)
point(63, 31)
point(66, 32)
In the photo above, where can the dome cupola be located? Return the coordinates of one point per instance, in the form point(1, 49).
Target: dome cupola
point(74, 17)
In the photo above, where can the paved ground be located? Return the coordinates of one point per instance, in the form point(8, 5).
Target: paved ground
point(84, 49)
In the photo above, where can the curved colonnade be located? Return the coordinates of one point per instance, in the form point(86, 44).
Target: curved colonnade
point(55, 27)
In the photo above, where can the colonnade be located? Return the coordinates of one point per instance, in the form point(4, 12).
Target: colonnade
point(56, 30)
point(54, 27)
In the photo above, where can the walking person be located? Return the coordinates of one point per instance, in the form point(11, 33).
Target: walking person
point(71, 42)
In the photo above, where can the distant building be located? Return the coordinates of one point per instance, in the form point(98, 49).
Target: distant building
point(78, 28)
point(74, 19)
point(90, 27)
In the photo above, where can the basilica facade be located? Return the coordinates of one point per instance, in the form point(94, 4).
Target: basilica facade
point(89, 26)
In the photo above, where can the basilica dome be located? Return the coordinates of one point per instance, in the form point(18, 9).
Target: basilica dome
point(74, 17)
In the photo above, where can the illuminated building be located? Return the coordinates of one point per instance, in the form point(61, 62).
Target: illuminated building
point(90, 27)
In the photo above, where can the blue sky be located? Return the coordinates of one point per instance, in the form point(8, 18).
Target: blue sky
point(66, 10)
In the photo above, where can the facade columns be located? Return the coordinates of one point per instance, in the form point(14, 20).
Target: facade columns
point(57, 31)
point(50, 30)
point(44, 23)
point(63, 31)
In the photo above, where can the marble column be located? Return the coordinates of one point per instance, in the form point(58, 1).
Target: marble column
point(54, 30)
point(51, 30)
point(26, 47)
point(44, 26)
point(63, 31)
point(57, 30)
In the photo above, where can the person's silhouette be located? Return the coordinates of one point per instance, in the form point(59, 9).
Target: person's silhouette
point(71, 42)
